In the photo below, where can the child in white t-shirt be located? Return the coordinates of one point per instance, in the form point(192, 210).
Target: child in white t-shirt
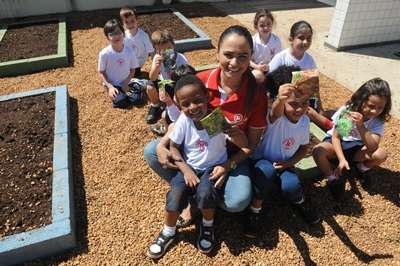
point(136, 38)
point(265, 44)
point(116, 65)
point(165, 60)
point(356, 135)
point(202, 161)
point(283, 145)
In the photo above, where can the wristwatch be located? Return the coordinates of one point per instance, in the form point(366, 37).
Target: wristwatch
point(232, 165)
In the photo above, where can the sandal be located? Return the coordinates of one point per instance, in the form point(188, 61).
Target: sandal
point(182, 223)
point(159, 129)
point(160, 245)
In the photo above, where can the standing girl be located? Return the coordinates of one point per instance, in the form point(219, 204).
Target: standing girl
point(265, 44)
point(367, 110)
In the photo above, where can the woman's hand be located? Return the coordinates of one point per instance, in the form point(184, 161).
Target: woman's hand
point(343, 165)
point(218, 173)
point(165, 157)
point(191, 179)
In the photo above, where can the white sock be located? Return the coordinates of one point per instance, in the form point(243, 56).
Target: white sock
point(208, 222)
point(255, 210)
point(169, 230)
point(331, 178)
point(361, 166)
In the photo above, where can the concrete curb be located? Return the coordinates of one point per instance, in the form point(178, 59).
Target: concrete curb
point(59, 235)
point(30, 65)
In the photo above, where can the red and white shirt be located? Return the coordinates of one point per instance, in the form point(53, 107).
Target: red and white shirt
point(234, 106)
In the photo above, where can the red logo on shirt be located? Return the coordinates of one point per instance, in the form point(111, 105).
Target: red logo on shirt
point(201, 145)
point(238, 118)
point(288, 143)
point(120, 61)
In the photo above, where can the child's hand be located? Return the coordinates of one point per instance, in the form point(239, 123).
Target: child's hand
point(281, 165)
point(357, 118)
point(191, 179)
point(285, 91)
point(343, 165)
point(165, 98)
point(263, 67)
point(112, 92)
point(166, 158)
point(158, 59)
point(218, 173)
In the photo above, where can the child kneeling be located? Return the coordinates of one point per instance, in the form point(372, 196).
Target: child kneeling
point(284, 144)
point(202, 166)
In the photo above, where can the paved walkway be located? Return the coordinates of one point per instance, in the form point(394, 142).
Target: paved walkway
point(351, 68)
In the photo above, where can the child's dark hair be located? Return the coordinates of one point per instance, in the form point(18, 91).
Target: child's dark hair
point(111, 26)
point(278, 77)
point(252, 84)
point(181, 71)
point(190, 80)
point(375, 86)
point(298, 26)
point(263, 13)
point(126, 12)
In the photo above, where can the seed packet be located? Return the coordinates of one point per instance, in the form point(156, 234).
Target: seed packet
point(306, 82)
point(166, 85)
point(169, 59)
point(344, 124)
point(214, 123)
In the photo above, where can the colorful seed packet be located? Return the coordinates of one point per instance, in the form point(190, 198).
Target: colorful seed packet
point(214, 123)
point(306, 82)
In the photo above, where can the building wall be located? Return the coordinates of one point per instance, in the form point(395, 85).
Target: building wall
point(361, 22)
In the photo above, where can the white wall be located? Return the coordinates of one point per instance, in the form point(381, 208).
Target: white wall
point(359, 22)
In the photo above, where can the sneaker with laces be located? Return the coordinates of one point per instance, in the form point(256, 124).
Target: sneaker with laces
point(154, 114)
point(252, 225)
point(160, 245)
point(307, 213)
point(206, 241)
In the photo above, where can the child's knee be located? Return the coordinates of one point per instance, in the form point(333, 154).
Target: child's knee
point(380, 155)
point(175, 199)
point(319, 151)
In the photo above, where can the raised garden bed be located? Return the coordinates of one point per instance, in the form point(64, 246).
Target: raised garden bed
point(37, 164)
point(32, 46)
point(307, 167)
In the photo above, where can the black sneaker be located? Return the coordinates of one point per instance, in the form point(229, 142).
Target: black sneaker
point(252, 225)
point(337, 187)
point(153, 115)
point(206, 241)
point(163, 242)
point(307, 213)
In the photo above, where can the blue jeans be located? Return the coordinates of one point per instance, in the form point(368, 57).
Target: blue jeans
point(120, 100)
point(205, 194)
point(266, 177)
point(235, 194)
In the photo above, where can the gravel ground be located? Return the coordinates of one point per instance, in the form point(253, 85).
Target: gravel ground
point(120, 201)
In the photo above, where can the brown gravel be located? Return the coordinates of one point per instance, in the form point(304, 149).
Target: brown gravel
point(120, 201)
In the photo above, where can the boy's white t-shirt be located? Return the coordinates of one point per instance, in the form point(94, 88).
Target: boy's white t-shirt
point(285, 58)
point(283, 138)
point(375, 125)
point(264, 52)
point(166, 74)
point(140, 43)
point(117, 65)
point(199, 150)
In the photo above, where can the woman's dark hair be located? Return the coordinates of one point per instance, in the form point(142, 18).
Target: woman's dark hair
point(252, 84)
point(298, 26)
point(263, 13)
point(278, 77)
point(375, 86)
point(190, 80)
point(111, 26)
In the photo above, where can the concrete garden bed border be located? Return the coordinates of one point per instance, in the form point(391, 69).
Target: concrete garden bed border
point(59, 235)
point(35, 64)
point(307, 168)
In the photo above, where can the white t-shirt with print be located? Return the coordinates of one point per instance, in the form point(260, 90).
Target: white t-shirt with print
point(140, 43)
point(283, 138)
point(117, 65)
point(166, 74)
point(199, 150)
point(264, 52)
point(375, 125)
point(285, 58)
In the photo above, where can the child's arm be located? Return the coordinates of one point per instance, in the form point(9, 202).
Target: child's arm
point(155, 67)
point(370, 140)
point(337, 146)
point(320, 120)
point(191, 178)
point(112, 91)
point(278, 106)
point(297, 156)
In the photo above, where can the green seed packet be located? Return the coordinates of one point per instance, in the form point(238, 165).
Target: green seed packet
point(306, 82)
point(214, 122)
point(344, 124)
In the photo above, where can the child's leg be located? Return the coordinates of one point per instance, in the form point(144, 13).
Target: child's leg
point(152, 94)
point(366, 160)
point(322, 153)
point(259, 75)
point(155, 111)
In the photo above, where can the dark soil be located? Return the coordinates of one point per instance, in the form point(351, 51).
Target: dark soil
point(28, 41)
point(26, 156)
point(148, 22)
